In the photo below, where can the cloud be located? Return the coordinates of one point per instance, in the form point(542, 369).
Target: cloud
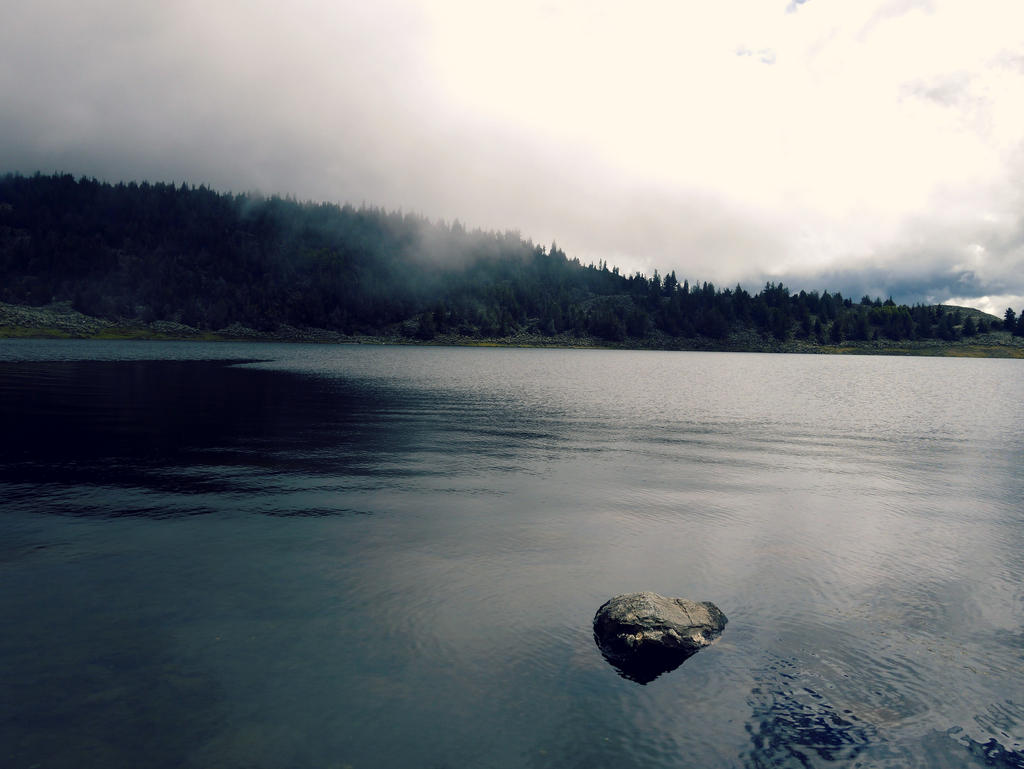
point(763, 55)
point(640, 135)
point(945, 90)
point(972, 262)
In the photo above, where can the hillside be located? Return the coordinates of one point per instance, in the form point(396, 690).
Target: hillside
point(83, 258)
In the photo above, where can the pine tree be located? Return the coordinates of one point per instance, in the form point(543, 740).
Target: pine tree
point(1009, 319)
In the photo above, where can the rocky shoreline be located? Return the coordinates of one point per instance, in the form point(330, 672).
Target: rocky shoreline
point(61, 321)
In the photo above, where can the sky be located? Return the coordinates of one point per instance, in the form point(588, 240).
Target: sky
point(866, 146)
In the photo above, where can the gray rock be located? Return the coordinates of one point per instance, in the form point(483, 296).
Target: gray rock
point(645, 634)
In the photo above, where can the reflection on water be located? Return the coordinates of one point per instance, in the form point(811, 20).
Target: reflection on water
point(793, 724)
point(643, 670)
point(374, 557)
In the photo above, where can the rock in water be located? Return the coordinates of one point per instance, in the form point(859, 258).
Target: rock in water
point(645, 634)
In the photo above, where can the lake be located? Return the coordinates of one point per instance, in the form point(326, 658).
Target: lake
point(359, 557)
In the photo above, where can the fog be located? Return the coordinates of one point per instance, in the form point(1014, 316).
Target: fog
point(871, 147)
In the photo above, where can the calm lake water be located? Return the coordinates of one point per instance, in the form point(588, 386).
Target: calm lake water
point(284, 556)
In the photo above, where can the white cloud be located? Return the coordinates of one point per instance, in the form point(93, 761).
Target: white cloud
point(728, 141)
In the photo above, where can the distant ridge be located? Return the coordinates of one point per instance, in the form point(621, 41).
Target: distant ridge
point(164, 260)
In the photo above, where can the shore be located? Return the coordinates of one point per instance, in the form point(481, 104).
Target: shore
point(61, 321)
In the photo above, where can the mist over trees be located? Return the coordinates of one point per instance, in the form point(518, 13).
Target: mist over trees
point(207, 259)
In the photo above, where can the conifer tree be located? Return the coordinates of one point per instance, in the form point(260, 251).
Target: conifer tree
point(1009, 319)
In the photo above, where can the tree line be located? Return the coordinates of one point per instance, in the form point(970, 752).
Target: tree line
point(207, 259)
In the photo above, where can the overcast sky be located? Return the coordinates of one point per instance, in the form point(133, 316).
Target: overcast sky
point(869, 146)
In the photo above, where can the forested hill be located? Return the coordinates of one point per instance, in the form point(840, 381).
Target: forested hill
point(193, 256)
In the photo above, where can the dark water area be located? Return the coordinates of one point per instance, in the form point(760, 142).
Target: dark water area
point(235, 555)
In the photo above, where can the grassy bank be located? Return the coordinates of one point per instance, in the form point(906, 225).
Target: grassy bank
point(61, 321)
